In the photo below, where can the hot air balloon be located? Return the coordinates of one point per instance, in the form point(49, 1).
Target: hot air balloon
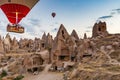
point(53, 14)
point(15, 11)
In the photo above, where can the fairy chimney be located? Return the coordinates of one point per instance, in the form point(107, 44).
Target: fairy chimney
point(1, 46)
point(15, 45)
point(21, 43)
point(61, 37)
point(62, 32)
point(99, 29)
point(60, 47)
point(8, 36)
point(85, 36)
point(37, 44)
point(44, 41)
point(75, 35)
point(49, 41)
point(44, 36)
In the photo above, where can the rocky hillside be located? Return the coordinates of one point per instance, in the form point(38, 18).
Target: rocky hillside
point(95, 58)
point(104, 64)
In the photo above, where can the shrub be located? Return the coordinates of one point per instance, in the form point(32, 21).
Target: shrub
point(3, 74)
point(20, 77)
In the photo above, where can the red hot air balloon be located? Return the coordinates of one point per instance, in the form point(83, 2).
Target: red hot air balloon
point(15, 10)
point(53, 14)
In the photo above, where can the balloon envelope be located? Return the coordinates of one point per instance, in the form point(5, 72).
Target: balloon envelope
point(53, 14)
point(15, 10)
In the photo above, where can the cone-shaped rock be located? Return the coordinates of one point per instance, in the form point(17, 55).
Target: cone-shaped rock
point(49, 40)
point(85, 36)
point(62, 32)
point(60, 47)
point(1, 46)
point(75, 35)
point(44, 37)
point(14, 44)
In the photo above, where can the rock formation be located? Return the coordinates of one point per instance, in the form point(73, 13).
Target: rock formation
point(59, 46)
point(23, 43)
point(15, 45)
point(7, 43)
point(46, 41)
point(75, 35)
point(85, 48)
point(64, 45)
point(37, 44)
point(49, 41)
point(43, 41)
point(85, 36)
point(44, 37)
point(1, 45)
point(99, 29)
point(98, 55)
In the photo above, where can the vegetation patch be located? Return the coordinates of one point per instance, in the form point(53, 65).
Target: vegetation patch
point(20, 77)
point(3, 74)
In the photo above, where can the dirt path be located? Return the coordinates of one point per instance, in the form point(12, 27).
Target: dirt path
point(44, 76)
point(46, 68)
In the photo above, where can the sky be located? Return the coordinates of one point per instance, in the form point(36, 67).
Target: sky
point(73, 14)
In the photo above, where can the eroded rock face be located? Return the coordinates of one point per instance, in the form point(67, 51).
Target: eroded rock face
point(7, 43)
point(64, 45)
point(23, 43)
point(59, 46)
point(99, 29)
point(44, 37)
point(33, 60)
point(88, 75)
point(43, 41)
point(75, 35)
point(1, 45)
point(49, 41)
point(46, 42)
point(85, 36)
point(36, 45)
point(93, 54)
point(14, 44)
point(87, 47)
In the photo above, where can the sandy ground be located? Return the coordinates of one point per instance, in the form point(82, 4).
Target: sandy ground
point(44, 76)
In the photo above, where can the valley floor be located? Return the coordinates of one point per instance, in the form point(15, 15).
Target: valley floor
point(44, 76)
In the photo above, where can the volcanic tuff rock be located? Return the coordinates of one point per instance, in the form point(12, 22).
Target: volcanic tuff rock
point(44, 37)
point(64, 45)
point(99, 29)
point(49, 41)
point(85, 36)
point(75, 35)
point(98, 55)
point(15, 45)
point(1, 45)
point(60, 42)
point(104, 64)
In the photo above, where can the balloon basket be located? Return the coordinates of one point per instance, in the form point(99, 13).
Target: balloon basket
point(15, 28)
